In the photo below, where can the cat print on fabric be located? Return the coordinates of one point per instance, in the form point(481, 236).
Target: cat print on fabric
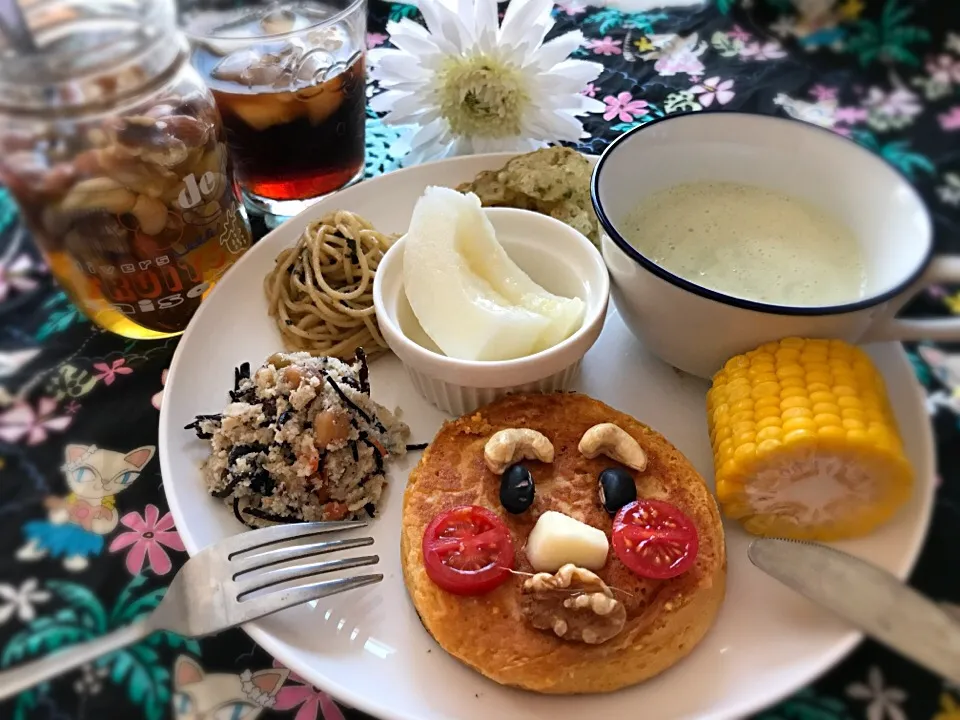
point(76, 524)
point(223, 696)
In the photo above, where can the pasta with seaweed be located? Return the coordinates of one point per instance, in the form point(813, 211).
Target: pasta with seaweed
point(320, 292)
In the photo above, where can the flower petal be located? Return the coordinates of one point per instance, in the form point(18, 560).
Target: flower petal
point(45, 406)
point(329, 708)
point(557, 50)
point(19, 414)
point(135, 557)
point(171, 539)
point(290, 696)
point(12, 434)
point(58, 423)
point(159, 560)
point(150, 516)
point(6, 612)
point(308, 711)
point(165, 523)
point(134, 521)
point(123, 540)
point(525, 21)
point(398, 65)
point(413, 39)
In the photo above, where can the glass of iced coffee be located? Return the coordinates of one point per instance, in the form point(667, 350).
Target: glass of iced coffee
point(289, 81)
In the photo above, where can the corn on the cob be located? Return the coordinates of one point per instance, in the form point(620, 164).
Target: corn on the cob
point(804, 441)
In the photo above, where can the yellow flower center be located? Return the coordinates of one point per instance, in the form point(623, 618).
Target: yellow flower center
point(481, 97)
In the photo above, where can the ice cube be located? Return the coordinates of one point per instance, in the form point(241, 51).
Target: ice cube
point(313, 67)
point(279, 21)
point(270, 65)
point(263, 111)
point(327, 38)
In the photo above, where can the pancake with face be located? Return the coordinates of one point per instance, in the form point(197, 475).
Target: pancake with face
point(665, 619)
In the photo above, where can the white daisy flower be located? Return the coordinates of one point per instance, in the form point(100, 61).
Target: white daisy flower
point(472, 87)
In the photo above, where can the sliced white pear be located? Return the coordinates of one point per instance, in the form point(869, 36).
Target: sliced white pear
point(458, 309)
point(486, 256)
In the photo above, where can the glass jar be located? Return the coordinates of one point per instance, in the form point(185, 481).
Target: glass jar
point(115, 152)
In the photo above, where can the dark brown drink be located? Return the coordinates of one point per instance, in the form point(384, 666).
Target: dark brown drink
point(293, 103)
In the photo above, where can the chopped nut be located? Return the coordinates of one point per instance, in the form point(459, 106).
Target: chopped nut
point(100, 193)
point(150, 213)
point(329, 428)
point(614, 442)
point(574, 603)
point(512, 445)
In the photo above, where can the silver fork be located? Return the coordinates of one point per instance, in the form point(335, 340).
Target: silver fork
point(210, 593)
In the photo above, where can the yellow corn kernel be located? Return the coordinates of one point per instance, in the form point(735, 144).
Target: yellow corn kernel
point(795, 402)
point(797, 411)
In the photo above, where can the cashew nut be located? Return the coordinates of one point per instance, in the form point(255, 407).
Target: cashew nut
point(150, 213)
point(99, 193)
point(506, 447)
point(614, 442)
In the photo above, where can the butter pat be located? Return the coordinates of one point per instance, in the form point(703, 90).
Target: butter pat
point(558, 539)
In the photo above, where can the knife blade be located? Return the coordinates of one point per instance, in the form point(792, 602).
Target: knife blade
point(868, 597)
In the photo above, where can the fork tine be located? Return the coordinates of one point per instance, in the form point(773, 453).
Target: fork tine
point(255, 539)
point(295, 552)
point(299, 572)
point(282, 599)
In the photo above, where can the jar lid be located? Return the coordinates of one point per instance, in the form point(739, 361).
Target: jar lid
point(89, 52)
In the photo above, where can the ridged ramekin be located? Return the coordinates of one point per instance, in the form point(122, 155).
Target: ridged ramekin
point(557, 257)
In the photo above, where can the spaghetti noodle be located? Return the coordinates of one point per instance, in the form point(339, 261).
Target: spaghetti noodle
point(320, 292)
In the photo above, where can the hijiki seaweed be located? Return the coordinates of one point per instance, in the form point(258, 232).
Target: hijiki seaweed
point(245, 462)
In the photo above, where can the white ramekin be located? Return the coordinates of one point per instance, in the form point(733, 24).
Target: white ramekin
point(557, 257)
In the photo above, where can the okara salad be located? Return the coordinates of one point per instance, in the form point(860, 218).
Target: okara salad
point(301, 440)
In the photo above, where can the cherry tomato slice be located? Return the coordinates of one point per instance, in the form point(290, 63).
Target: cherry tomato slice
point(467, 550)
point(654, 539)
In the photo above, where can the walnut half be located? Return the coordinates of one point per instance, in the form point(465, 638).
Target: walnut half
point(574, 603)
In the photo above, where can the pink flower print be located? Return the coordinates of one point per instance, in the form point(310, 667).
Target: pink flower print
point(823, 93)
point(713, 89)
point(375, 39)
point(72, 408)
point(606, 46)
point(850, 115)
point(950, 120)
point(314, 704)
point(767, 51)
point(22, 421)
point(158, 397)
point(18, 274)
point(147, 537)
point(108, 373)
point(738, 33)
point(623, 106)
point(590, 90)
point(571, 7)
point(944, 69)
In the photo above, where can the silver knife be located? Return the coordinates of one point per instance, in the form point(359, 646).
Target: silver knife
point(867, 597)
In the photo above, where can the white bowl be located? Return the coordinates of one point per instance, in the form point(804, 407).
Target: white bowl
point(554, 255)
point(697, 329)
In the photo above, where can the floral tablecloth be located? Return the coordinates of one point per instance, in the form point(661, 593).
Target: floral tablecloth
point(885, 73)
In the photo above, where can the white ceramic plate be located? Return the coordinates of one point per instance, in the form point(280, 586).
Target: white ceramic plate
point(368, 649)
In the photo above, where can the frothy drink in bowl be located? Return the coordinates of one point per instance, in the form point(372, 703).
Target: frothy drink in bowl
point(750, 242)
point(289, 80)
